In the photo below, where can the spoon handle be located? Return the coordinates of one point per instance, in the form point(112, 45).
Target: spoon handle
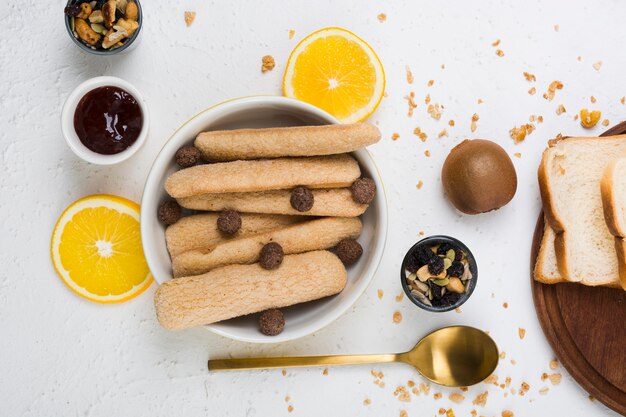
point(296, 362)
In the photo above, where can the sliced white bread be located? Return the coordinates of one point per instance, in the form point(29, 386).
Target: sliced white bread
point(613, 192)
point(569, 177)
point(546, 269)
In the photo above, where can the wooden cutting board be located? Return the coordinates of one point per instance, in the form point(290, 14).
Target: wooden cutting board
point(586, 328)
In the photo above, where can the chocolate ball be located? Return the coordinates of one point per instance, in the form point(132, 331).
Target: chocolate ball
point(271, 322)
point(229, 222)
point(302, 199)
point(187, 156)
point(349, 251)
point(271, 256)
point(363, 190)
point(169, 212)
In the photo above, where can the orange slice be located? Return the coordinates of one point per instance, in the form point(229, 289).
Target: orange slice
point(337, 71)
point(96, 249)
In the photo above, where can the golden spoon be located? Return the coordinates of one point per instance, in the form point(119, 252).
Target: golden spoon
point(455, 356)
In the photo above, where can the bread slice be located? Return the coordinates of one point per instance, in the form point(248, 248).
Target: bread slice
point(569, 177)
point(613, 192)
point(546, 269)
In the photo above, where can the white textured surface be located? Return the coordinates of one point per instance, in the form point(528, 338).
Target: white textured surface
point(61, 355)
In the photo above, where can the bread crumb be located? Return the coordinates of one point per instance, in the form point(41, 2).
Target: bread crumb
point(325, 372)
point(544, 390)
point(402, 394)
point(287, 398)
point(623, 100)
point(284, 372)
point(555, 379)
point(473, 413)
point(411, 102)
point(399, 297)
point(442, 411)
point(524, 388)
point(450, 413)
point(560, 109)
point(481, 399)
point(290, 408)
point(496, 43)
point(397, 317)
point(189, 18)
point(480, 101)
point(443, 133)
point(451, 123)
point(532, 91)
point(430, 83)
point(597, 65)
point(421, 233)
point(427, 153)
point(474, 120)
point(443, 66)
point(529, 77)
point(425, 388)
point(415, 391)
point(409, 75)
point(506, 305)
point(521, 332)
point(513, 362)
point(556, 28)
point(380, 294)
point(502, 355)
point(435, 110)
point(395, 136)
point(457, 310)
point(267, 63)
point(491, 379)
point(381, 17)
point(507, 413)
point(579, 58)
point(554, 85)
point(437, 395)
point(456, 397)
point(410, 383)
point(592, 99)
point(367, 402)
point(291, 33)
point(427, 99)
point(554, 363)
point(518, 134)
point(517, 155)
point(418, 132)
point(591, 398)
point(605, 122)
point(403, 413)
point(500, 52)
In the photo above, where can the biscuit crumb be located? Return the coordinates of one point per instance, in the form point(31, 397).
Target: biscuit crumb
point(189, 18)
point(605, 122)
point(481, 399)
point(402, 394)
point(403, 413)
point(597, 65)
point(381, 17)
point(592, 99)
point(411, 102)
point(532, 91)
point(506, 305)
point(367, 402)
point(290, 408)
point(420, 184)
point(500, 52)
point(325, 372)
point(507, 413)
point(437, 395)
point(496, 43)
point(395, 136)
point(529, 77)
point(474, 120)
point(544, 390)
point(397, 317)
point(291, 33)
point(521, 332)
point(517, 155)
point(430, 83)
point(399, 297)
point(435, 110)
point(524, 388)
point(456, 397)
point(427, 153)
point(267, 63)
point(418, 132)
point(380, 294)
point(443, 133)
point(560, 109)
point(556, 28)
point(409, 75)
point(554, 85)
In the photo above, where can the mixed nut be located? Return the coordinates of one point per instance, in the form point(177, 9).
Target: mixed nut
point(438, 275)
point(104, 25)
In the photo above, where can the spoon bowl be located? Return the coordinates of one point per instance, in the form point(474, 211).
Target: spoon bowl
point(455, 356)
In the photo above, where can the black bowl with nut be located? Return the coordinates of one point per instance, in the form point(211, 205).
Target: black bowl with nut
point(103, 27)
point(439, 273)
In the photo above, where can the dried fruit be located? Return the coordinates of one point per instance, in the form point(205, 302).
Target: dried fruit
point(132, 11)
point(589, 119)
point(435, 266)
point(456, 269)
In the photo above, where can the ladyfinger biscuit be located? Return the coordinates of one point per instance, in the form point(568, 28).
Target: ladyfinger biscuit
point(330, 202)
point(237, 290)
point(333, 171)
point(200, 231)
point(231, 145)
point(301, 237)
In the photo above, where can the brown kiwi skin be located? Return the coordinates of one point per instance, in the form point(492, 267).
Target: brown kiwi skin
point(478, 176)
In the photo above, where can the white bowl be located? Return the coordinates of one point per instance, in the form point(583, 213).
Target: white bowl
point(67, 121)
point(258, 112)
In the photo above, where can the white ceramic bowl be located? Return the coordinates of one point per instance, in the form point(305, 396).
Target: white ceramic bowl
point(67, 121)
point(257, 112)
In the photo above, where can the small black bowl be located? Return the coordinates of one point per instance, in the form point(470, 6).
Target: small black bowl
point(430, 242)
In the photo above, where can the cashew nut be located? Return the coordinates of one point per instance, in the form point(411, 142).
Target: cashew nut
point(455, 285)
point(132, 11)
point(85, 32)
point(108, 12)
point(96, 16)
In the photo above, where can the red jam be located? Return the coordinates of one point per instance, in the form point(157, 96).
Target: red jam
point(108, 120)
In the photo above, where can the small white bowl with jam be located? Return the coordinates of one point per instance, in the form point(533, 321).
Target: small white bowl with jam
point(105, 120)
